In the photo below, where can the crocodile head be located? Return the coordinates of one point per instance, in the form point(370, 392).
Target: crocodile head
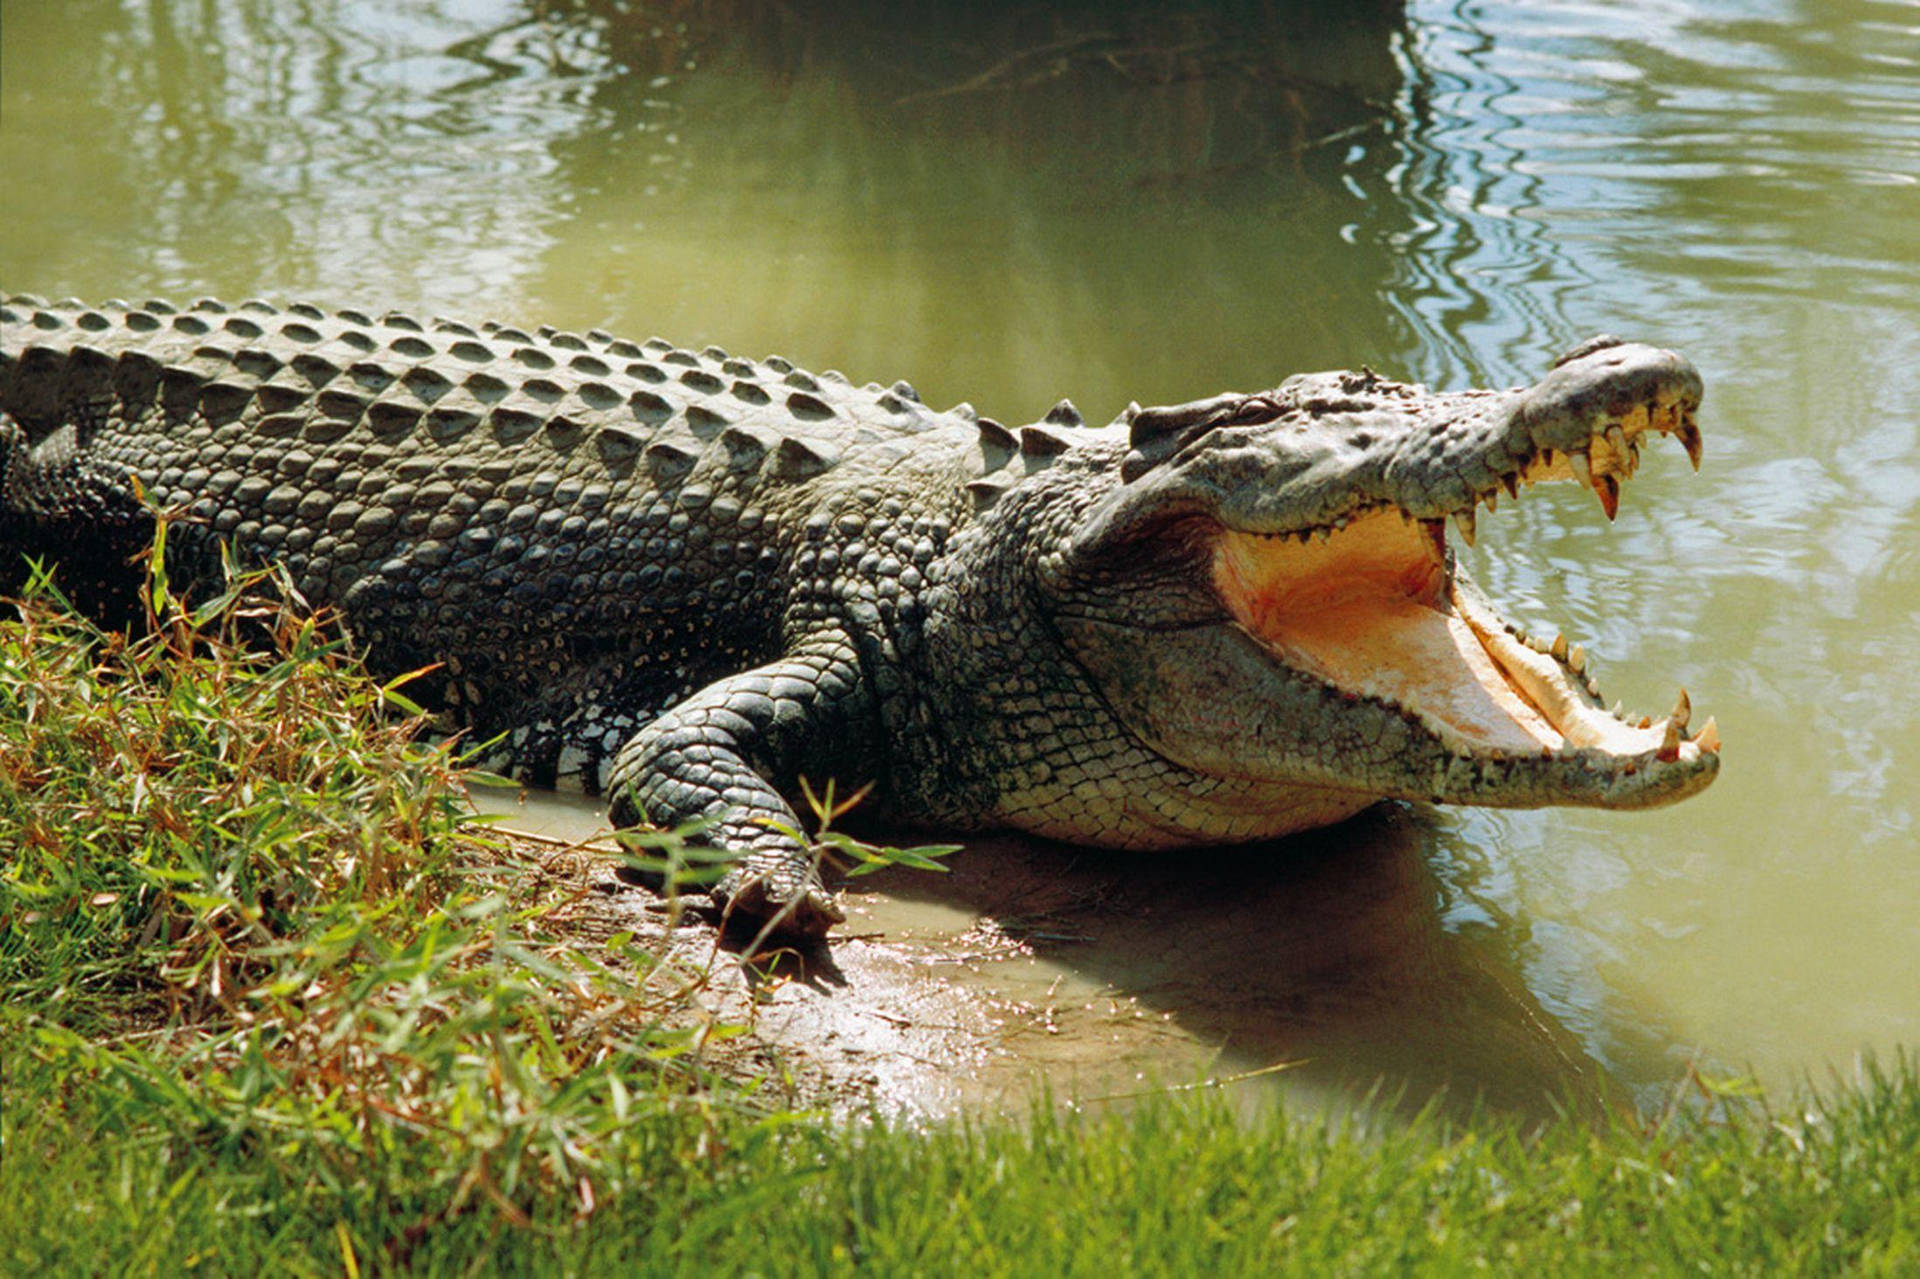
point(1268, 594)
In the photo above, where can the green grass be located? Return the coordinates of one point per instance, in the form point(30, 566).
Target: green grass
point(1174, 1188)
point(266, 1005)
point(241, 910)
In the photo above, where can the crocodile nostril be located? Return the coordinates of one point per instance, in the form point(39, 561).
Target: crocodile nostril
point(1598, 342)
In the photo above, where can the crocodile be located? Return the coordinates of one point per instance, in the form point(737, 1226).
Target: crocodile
point(692, 582)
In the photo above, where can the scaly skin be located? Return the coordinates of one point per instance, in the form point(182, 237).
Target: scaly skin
point(689, 581)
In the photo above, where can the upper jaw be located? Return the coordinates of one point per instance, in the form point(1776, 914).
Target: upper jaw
point(1323, 449)
point(1444, 455)
point(1588, 418)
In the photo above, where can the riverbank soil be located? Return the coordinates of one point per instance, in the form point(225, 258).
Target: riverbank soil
point(1314, 969)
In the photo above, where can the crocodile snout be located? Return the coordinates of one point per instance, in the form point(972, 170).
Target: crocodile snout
point(1606, 378)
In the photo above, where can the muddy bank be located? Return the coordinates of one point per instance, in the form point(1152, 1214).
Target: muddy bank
point(1314, 970)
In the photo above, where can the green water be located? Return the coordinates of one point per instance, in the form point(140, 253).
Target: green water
point(1152, 203)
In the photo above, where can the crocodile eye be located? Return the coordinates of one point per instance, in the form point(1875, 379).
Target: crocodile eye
point(1254, 409)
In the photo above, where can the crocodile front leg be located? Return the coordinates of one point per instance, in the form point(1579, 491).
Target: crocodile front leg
point(719, 754)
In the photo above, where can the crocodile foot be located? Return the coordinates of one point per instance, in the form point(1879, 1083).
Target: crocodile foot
point(770, 900)
point(784, 900)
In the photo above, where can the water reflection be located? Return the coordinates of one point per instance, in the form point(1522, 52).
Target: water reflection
point(1366, 961)
point(340, 149)
point(1031, 198)
point(1343, 952)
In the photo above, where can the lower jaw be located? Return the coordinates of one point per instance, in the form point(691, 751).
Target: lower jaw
point(1481, 692)
point(1431, 663)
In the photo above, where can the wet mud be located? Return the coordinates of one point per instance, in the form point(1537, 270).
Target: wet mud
point(1315, 971)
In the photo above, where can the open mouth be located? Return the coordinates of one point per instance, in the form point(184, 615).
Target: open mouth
point(1372, 606)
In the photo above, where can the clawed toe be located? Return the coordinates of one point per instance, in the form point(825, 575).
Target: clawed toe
point(808, 912)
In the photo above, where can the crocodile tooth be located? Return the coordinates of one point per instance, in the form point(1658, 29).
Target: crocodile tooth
point(1690, 437)
point(1708, 738)
point(1618, 707)
point(1576, 659)
point(1512, 484)
point(1617, 441)
point(1465, 520)
point(1559, 649)
point(1582, 467)
point(1670, 741)
point(1646, 721)
point(1682, 710)
point(1608, 489)
point(1493, 501)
